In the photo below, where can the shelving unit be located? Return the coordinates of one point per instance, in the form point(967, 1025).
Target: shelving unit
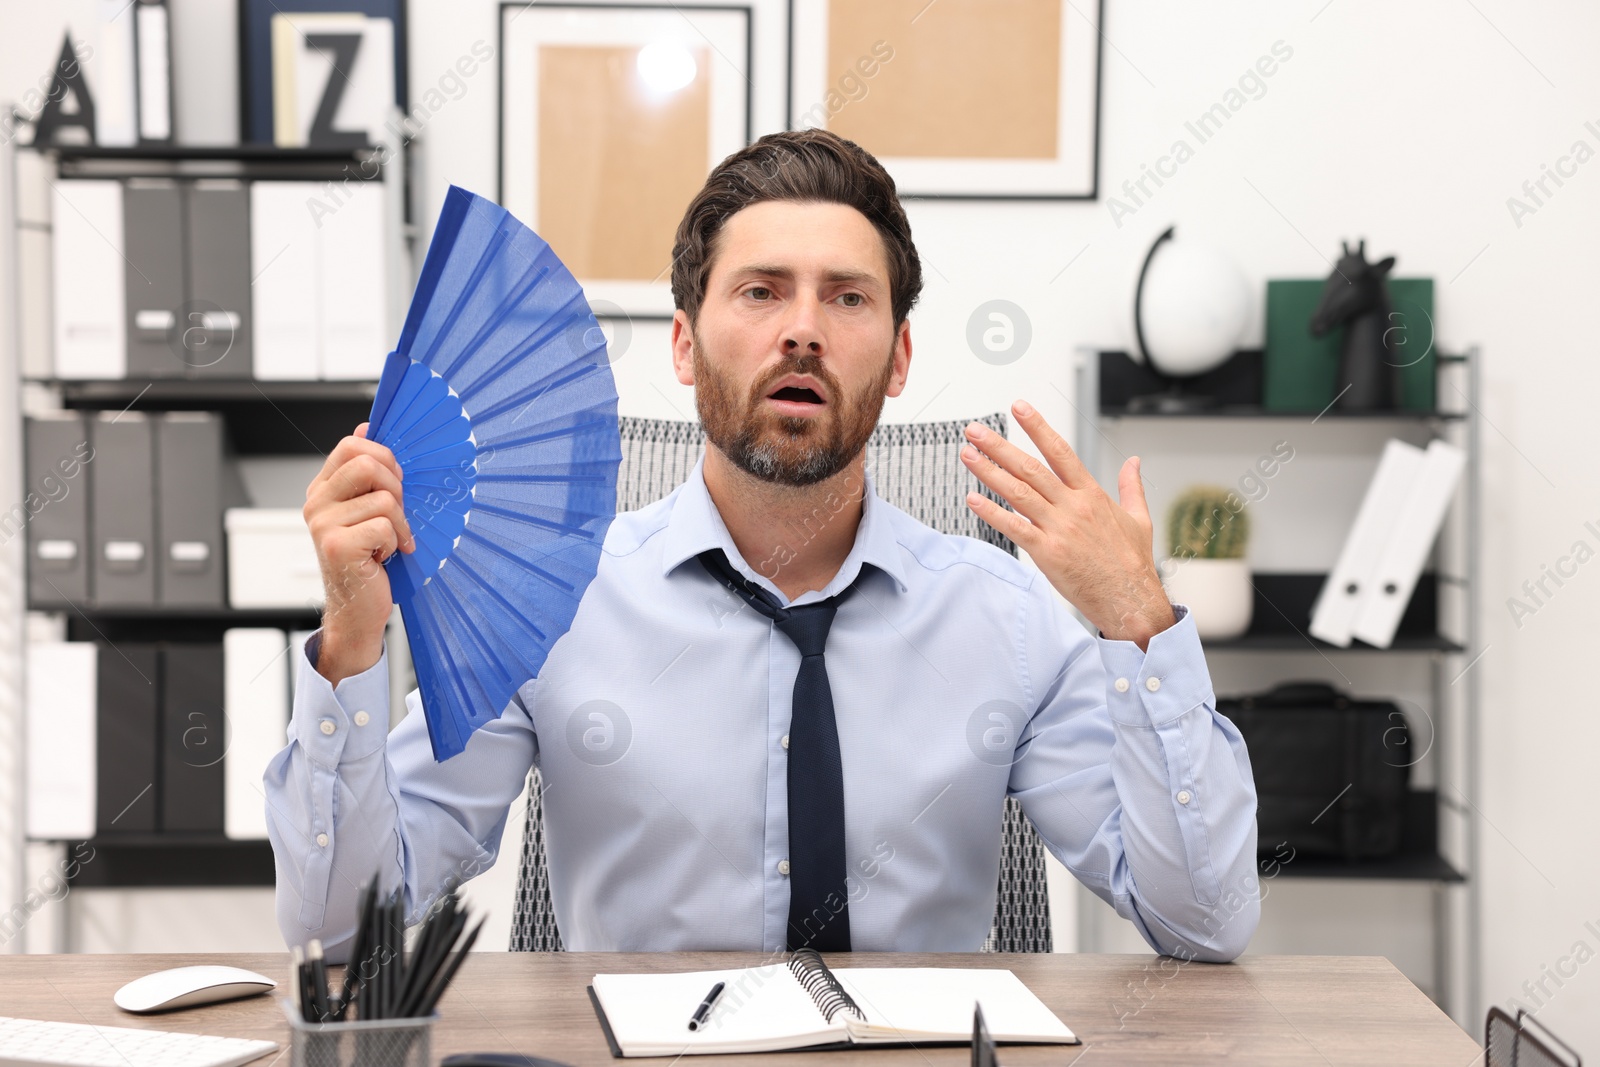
point(1439, 841)
point(262, 418)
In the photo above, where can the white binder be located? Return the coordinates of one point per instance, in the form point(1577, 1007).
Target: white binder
point(255, 670)
point(1334, 614)
point(351, 267)
point(321, 291)
point(60, 746)
point(283, 262)
point(1395, 577)
point(87, 271)
point(113, 76)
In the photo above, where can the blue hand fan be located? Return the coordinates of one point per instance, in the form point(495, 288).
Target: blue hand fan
point(500, 408)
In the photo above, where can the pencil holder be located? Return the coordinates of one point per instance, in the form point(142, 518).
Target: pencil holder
point(374, 1043)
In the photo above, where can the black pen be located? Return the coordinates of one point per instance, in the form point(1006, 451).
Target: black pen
point(704, 1010)
point(318, 967)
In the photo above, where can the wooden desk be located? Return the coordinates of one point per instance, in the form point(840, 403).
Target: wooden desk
point(1277, 1010)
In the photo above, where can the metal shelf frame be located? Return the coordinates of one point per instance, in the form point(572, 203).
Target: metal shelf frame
point(1456, 901)
point(267, 407)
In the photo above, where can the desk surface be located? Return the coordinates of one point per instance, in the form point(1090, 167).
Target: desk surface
point(1278, 1010)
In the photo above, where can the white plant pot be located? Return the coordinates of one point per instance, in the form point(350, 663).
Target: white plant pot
point(1217, 593)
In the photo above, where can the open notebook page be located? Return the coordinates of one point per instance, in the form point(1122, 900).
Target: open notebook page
point(930, 1003)
point(763, 1008)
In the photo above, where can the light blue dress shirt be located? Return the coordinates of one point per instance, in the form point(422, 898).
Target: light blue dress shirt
point(959, 675)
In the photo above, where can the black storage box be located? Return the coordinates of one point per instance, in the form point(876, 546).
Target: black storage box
point(1332, 772)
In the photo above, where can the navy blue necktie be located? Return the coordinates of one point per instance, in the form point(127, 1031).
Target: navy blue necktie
point(819, 913)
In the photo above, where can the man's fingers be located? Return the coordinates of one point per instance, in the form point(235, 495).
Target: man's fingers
point(379, 503)
point(1062, 459)
point(1021, 495)
point(350, 447)
point(1014, 526)
point(1028, 474)
point(373, 540)
point(360, 475)
point(1130, 491)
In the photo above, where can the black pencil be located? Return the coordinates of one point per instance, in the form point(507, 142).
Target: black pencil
point(449, 972)
point(358, 946)
point(422, 952)
point(429, 968)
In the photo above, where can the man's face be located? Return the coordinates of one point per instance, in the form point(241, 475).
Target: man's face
point(795, 347)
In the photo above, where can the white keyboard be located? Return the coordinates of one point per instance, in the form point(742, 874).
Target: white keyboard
point(30, 1043)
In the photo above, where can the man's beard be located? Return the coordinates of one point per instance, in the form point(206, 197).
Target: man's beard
point(784, 449)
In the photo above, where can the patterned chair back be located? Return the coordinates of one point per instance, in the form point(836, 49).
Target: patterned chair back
point(915, 466)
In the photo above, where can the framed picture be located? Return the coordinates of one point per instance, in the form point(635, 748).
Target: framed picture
point(961, 99)
point(321, 73)
point(611, 116)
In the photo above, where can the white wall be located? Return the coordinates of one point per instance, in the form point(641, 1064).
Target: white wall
point(1409, 125)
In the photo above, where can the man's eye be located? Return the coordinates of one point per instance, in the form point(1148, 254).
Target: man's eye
point(854, 299)
point(760, 292)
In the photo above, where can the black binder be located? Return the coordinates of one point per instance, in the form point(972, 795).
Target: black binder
point(217, 319)
point(57, 506)
point(122, 511)
point(152, 223)
point(195, 480)
point(127, 724)
point(193, 739)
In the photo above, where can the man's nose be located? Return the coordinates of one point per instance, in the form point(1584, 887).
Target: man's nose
point(803, 330)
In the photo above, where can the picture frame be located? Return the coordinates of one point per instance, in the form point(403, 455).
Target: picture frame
point(327, 107)
point(652, 98)
point(957, 101)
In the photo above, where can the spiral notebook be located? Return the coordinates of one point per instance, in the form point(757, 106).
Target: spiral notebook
point(803, 1003)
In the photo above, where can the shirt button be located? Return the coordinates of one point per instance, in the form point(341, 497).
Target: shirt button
point(1152, 683)
point(1122, 685)
point(783, 867)
point(362, 718)
point(327, 726)
point(1183, 796)
point(785, 741)
point(322, 840)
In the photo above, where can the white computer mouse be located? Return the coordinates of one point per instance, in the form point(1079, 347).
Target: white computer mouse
point(188, 987)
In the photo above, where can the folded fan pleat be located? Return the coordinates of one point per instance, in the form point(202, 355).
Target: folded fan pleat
point(501, 410)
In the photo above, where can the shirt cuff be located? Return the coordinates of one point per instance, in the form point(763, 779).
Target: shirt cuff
point(1156, 687)
point(345, 722)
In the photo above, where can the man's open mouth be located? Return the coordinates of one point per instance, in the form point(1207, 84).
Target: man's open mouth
point(798, 395)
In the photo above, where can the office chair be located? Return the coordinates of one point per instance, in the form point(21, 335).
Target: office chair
point(915, 466)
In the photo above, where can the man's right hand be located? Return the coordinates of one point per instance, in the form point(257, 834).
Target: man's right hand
point(354, 511)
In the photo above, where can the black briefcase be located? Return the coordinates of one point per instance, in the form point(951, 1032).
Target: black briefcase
point(1331, 771)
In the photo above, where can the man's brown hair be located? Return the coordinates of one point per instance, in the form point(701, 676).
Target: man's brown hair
point(803, 165)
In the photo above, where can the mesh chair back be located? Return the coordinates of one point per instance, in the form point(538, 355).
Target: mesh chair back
point(915, 466)
point(1509, 1042)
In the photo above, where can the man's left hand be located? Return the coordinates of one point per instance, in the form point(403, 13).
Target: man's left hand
point(1096, 552)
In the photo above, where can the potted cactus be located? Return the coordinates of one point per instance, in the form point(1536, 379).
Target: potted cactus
point(1205, 570)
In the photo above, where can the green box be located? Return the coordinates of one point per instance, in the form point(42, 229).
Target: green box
point(1299, 370)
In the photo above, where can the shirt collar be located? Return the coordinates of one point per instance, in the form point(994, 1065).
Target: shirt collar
point(696, 525)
